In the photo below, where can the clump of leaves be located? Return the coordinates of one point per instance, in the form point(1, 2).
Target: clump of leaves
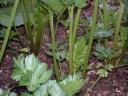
point(80, 49)
point(49, 88)
point(106, 54)
point(55, 5)
point(7, 93)
point(126, 3)
point(67, 87)
point(61, 52)
point(72, 84)
point(103, 71)
point(33, 74)
point(102, 33)
point(30, 72)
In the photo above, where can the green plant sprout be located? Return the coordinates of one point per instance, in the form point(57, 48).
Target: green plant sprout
point(106, 54)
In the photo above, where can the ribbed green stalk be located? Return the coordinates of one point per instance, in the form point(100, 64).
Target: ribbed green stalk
point(58, 18)
point(76, 22)
point(71, 9)
point(7, 33)
point(33, 6)
point(28, 24)
point(93, 28)
point(118, 24)
point(105, 13)
point(105, 18)
point(55, 65)
point(39, 35)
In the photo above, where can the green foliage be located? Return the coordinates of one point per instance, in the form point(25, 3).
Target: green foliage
point(105, 53)
point(102, 33)
point(80, 49)
point(72, 84)
point(35, 20)
point(80, 3)
point(5, 2)
point(67, 87)
point(30, 72)
point(42, 91)
point(58, 5)
point(7, 93)
point(50, 88)
point(25, 94)
point(61, 52)
point(55, 5)
point(33, 74)
point(5, 14)
point(103, 72)
point(77, 3)
point(10, 23)
point(126, 3)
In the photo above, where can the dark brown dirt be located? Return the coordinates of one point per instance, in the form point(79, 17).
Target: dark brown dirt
point(116, 84)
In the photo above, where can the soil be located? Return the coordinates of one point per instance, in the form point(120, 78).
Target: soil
point(116, 84)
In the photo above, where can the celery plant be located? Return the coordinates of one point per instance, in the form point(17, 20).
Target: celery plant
point(73, 28)
point(93, 29)
point(55, 65)
point(124, 38)
point(7, 33)
point(35, 19)
point(105, 17)
point(71, 45)
point(118, 24)
point(105, 13)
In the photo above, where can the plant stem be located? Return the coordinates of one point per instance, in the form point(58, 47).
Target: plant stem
point(71, 9)
point(58, 18)
point(105, 14)
point(40, 34)
point(76, 22)
point(55, 65)
point(93, 28)
point(7, 33)
point(95, 82)
point(118, 24)
point(33, 6)
point(119, 60)
point(28, 24)
point(105, 18)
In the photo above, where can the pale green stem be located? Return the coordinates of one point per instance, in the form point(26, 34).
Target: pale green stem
point(55, 65)
point(93, 29)
point(71, 9)
point(7, 33)
point(28, 24)
point(105, 19)
point(105, 14)
point(76, 22)
point(118, 24)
